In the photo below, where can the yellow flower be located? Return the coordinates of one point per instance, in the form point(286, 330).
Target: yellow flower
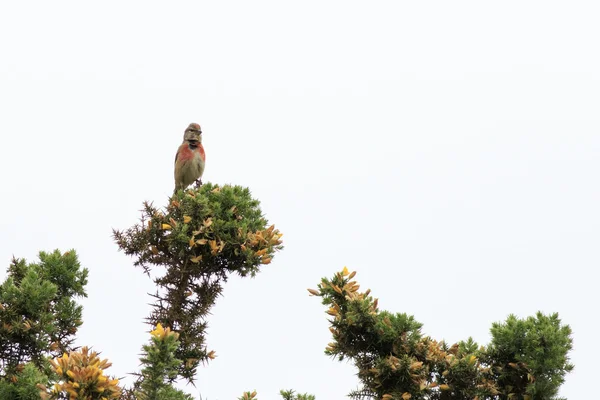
point(159, 331)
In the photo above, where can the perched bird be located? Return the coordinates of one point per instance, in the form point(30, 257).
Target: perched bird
point(190, 157)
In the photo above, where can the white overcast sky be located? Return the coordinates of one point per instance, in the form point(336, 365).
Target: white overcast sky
point(447, 151)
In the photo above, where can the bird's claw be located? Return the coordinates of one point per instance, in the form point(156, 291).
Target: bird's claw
point(198, 182)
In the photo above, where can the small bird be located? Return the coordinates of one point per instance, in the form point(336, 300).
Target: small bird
point(190, 157)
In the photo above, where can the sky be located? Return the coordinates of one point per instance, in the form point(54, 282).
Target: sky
point(446, 151)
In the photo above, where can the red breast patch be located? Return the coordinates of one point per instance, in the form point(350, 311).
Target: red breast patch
point(187, 153)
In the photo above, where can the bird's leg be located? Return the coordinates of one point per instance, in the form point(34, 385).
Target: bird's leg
point(198, 182)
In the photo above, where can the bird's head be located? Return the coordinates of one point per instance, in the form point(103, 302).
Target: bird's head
point(193, 133)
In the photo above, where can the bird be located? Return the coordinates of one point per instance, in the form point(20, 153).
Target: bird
point(190, 158)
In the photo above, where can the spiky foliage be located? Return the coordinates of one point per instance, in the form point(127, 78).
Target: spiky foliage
point(38, 312)
point(396, 361)
point(81, 377)
point(529, 356)
point(248, 396)
point(292, 395)
point(160, 367)
point(192, 245)
point(285, 394)
point(23, 385)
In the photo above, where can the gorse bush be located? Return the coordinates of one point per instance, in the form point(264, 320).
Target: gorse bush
point(80, 375)
point(527, 359)
point(201, 237)
point(160, 368)
point(38, 312)
point(189, 248)
point(23, 384)
point(530, 356)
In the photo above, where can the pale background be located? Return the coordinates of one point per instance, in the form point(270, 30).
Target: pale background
point(447, 151)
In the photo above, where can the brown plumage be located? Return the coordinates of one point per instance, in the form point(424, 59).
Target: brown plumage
point(190, 158)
